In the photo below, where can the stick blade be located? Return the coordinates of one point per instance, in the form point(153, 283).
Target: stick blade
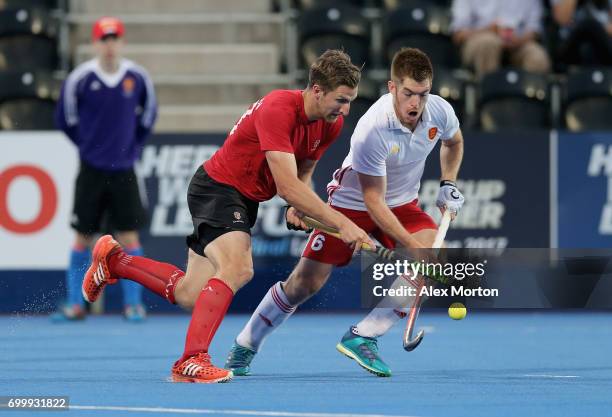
point(410, 345)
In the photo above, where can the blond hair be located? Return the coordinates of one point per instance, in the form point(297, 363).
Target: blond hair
point(333, 69)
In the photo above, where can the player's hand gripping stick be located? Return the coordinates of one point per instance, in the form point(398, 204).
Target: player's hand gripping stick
point(384, 253)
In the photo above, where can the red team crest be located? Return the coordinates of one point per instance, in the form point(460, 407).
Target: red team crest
point(128, 86)
point(432, 133)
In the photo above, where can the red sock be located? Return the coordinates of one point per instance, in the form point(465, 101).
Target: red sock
point(207, 315)
point(159, 277)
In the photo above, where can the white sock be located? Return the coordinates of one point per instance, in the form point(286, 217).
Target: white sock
point(271, 312)
point(378, 322)
point(388, 312)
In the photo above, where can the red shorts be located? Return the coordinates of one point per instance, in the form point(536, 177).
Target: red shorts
point(328, 249)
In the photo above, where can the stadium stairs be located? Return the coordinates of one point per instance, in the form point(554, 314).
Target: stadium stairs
point(209, 59)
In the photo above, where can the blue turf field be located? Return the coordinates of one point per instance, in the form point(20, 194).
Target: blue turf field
point(493, 365)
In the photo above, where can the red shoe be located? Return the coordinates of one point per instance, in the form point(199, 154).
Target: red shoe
point(198, 368)
point(98, 274)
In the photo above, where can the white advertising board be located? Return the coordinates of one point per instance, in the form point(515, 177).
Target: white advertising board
point(37, 173)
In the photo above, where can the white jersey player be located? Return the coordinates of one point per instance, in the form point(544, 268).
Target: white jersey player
point(377, 188)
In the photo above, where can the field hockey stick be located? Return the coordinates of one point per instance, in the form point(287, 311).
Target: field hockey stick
point(408, 342)
point(384, 253)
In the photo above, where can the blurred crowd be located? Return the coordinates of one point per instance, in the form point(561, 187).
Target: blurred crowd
point(539, 36)
point(532, 35)
point(545, 60)
point(547, 44)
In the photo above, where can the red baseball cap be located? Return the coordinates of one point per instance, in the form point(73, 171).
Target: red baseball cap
point(106, 26)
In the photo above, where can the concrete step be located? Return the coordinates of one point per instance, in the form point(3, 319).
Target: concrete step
point(197, 91)
point(120, 7)
point(195, 28)
point(163, 59)
point(203, 119)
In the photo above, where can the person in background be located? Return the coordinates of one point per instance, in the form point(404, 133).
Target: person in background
point(488, 30)
point(585, 31)
point(107, 108)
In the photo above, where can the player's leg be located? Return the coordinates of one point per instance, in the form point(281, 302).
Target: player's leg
point(360, 341)
point(389, 312)
point(222, 220)
point(87, 211)
point(199, 271)
point(230, 254)
point(321, 252)
point(133, 307)
point(279, 303)
point(73, 307)
point(127, 215)
point(308, 277)
point(110, 262)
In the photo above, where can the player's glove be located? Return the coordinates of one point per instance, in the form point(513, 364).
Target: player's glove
point(449, 197)
point(291, 226)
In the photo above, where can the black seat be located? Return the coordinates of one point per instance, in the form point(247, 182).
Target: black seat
point(450, 88)
point(421, 25)
point(29, 4)
point(588, 99)
point(322, 4)
point(38, 84)
point(27, 100)
point(339, 27)
point(27, 114)
point(512, 99)
point(20, 53)
point(24, 21)
point(396, 4)
point(27, 40)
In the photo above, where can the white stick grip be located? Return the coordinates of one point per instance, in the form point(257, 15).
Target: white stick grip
point(442, 229)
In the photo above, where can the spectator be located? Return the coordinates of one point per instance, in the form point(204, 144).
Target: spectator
point(107, 108)
point(585, 31)
point(488, 30)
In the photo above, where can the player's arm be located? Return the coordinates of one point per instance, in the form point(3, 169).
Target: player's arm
point(374, 190)
point(66, 115)
point(451, 155)
point(305, 169)
point(299, 195)
point(293, 216)
point(148, 103)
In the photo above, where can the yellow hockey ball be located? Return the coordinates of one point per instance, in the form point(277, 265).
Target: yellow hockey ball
point(457, 311)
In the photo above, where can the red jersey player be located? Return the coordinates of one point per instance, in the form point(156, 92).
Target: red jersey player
point(376, 187)
point(272, 149)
